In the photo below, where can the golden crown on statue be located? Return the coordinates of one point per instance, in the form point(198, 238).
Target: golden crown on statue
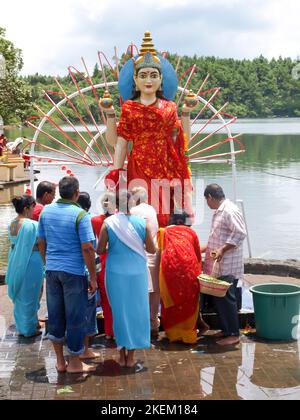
point(147, 55)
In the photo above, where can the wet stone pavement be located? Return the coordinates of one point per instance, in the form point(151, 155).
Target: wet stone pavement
point(253, 370)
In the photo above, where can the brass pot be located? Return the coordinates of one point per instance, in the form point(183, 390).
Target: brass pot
point(106, 102)
point(191, 99)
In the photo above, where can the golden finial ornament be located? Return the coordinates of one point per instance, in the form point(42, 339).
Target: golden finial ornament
point(147, 45)
point(106, 102)
point(191, 99)
point(147, 54)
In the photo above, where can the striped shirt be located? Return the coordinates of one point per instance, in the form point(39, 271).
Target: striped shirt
point(57, 226)
point(228, 227)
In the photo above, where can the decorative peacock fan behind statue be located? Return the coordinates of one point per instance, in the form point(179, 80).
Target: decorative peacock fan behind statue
point(146, 143)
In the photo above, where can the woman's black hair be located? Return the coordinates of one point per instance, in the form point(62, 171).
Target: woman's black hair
point(136, 94)
point(180, 217)
point(22, 202)
point(84, 200)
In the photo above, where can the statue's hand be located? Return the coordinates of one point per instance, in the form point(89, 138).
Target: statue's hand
point(186, 111)
point(108, 111)
point(112, 179)
point(188, 108)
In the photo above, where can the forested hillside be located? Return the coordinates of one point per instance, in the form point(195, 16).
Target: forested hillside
point(254, 88)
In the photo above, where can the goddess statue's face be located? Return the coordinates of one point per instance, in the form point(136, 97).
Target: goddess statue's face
point(148, 80)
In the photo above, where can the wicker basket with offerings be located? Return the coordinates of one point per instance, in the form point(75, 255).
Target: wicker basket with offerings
point(211, 285)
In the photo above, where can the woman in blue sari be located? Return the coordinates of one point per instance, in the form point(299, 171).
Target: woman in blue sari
point(126, 278)
point(25, 270)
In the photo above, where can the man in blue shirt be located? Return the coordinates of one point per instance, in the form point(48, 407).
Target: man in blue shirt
point(66, 245)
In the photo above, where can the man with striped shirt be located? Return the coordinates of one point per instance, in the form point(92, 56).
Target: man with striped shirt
point(224, 258)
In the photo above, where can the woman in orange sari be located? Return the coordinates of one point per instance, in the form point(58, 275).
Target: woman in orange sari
point(179, 286)
point(158, 160)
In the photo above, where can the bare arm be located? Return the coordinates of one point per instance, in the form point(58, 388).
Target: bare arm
point(103, 240)
point(88, 253)
point(149, 243)
point(203, 249)
point(120, 153)
point(111, 130)
point(42, 248)
point(185, 121)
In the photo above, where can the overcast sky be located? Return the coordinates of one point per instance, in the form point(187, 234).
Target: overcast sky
point(55, 34)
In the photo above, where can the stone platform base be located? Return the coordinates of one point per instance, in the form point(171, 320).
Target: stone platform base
point(281, 268)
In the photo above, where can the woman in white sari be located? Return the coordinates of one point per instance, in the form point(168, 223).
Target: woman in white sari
point(126, 279)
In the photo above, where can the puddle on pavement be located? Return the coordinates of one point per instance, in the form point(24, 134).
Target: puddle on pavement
point(247, 298)
point(254, 370)
point(261, 375)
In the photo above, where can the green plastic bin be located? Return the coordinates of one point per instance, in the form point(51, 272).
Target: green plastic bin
point(277, 310)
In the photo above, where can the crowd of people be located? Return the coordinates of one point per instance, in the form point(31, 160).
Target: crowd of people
point(145, 277)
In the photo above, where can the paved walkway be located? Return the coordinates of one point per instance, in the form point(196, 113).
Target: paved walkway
point(253, 370)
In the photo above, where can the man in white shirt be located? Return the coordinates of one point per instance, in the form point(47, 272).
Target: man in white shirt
point(147, 212)
point(224, 257)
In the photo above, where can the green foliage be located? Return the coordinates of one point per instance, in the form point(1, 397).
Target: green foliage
point(256, 88)
point(15, 99)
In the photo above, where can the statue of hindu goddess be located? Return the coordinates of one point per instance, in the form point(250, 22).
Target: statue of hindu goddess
point(158, 157)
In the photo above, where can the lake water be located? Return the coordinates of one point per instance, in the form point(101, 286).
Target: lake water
point(268, 183)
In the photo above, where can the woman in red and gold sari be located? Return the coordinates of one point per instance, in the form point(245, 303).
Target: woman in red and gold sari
point(158, 160)
point(179, 287)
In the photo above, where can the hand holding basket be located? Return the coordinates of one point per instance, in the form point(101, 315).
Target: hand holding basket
point(210, 285)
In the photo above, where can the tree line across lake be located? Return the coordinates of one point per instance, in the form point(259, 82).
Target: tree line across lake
point(258, 88)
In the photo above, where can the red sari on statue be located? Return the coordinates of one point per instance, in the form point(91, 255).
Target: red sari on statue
point(158, 152)
point(179, 286)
